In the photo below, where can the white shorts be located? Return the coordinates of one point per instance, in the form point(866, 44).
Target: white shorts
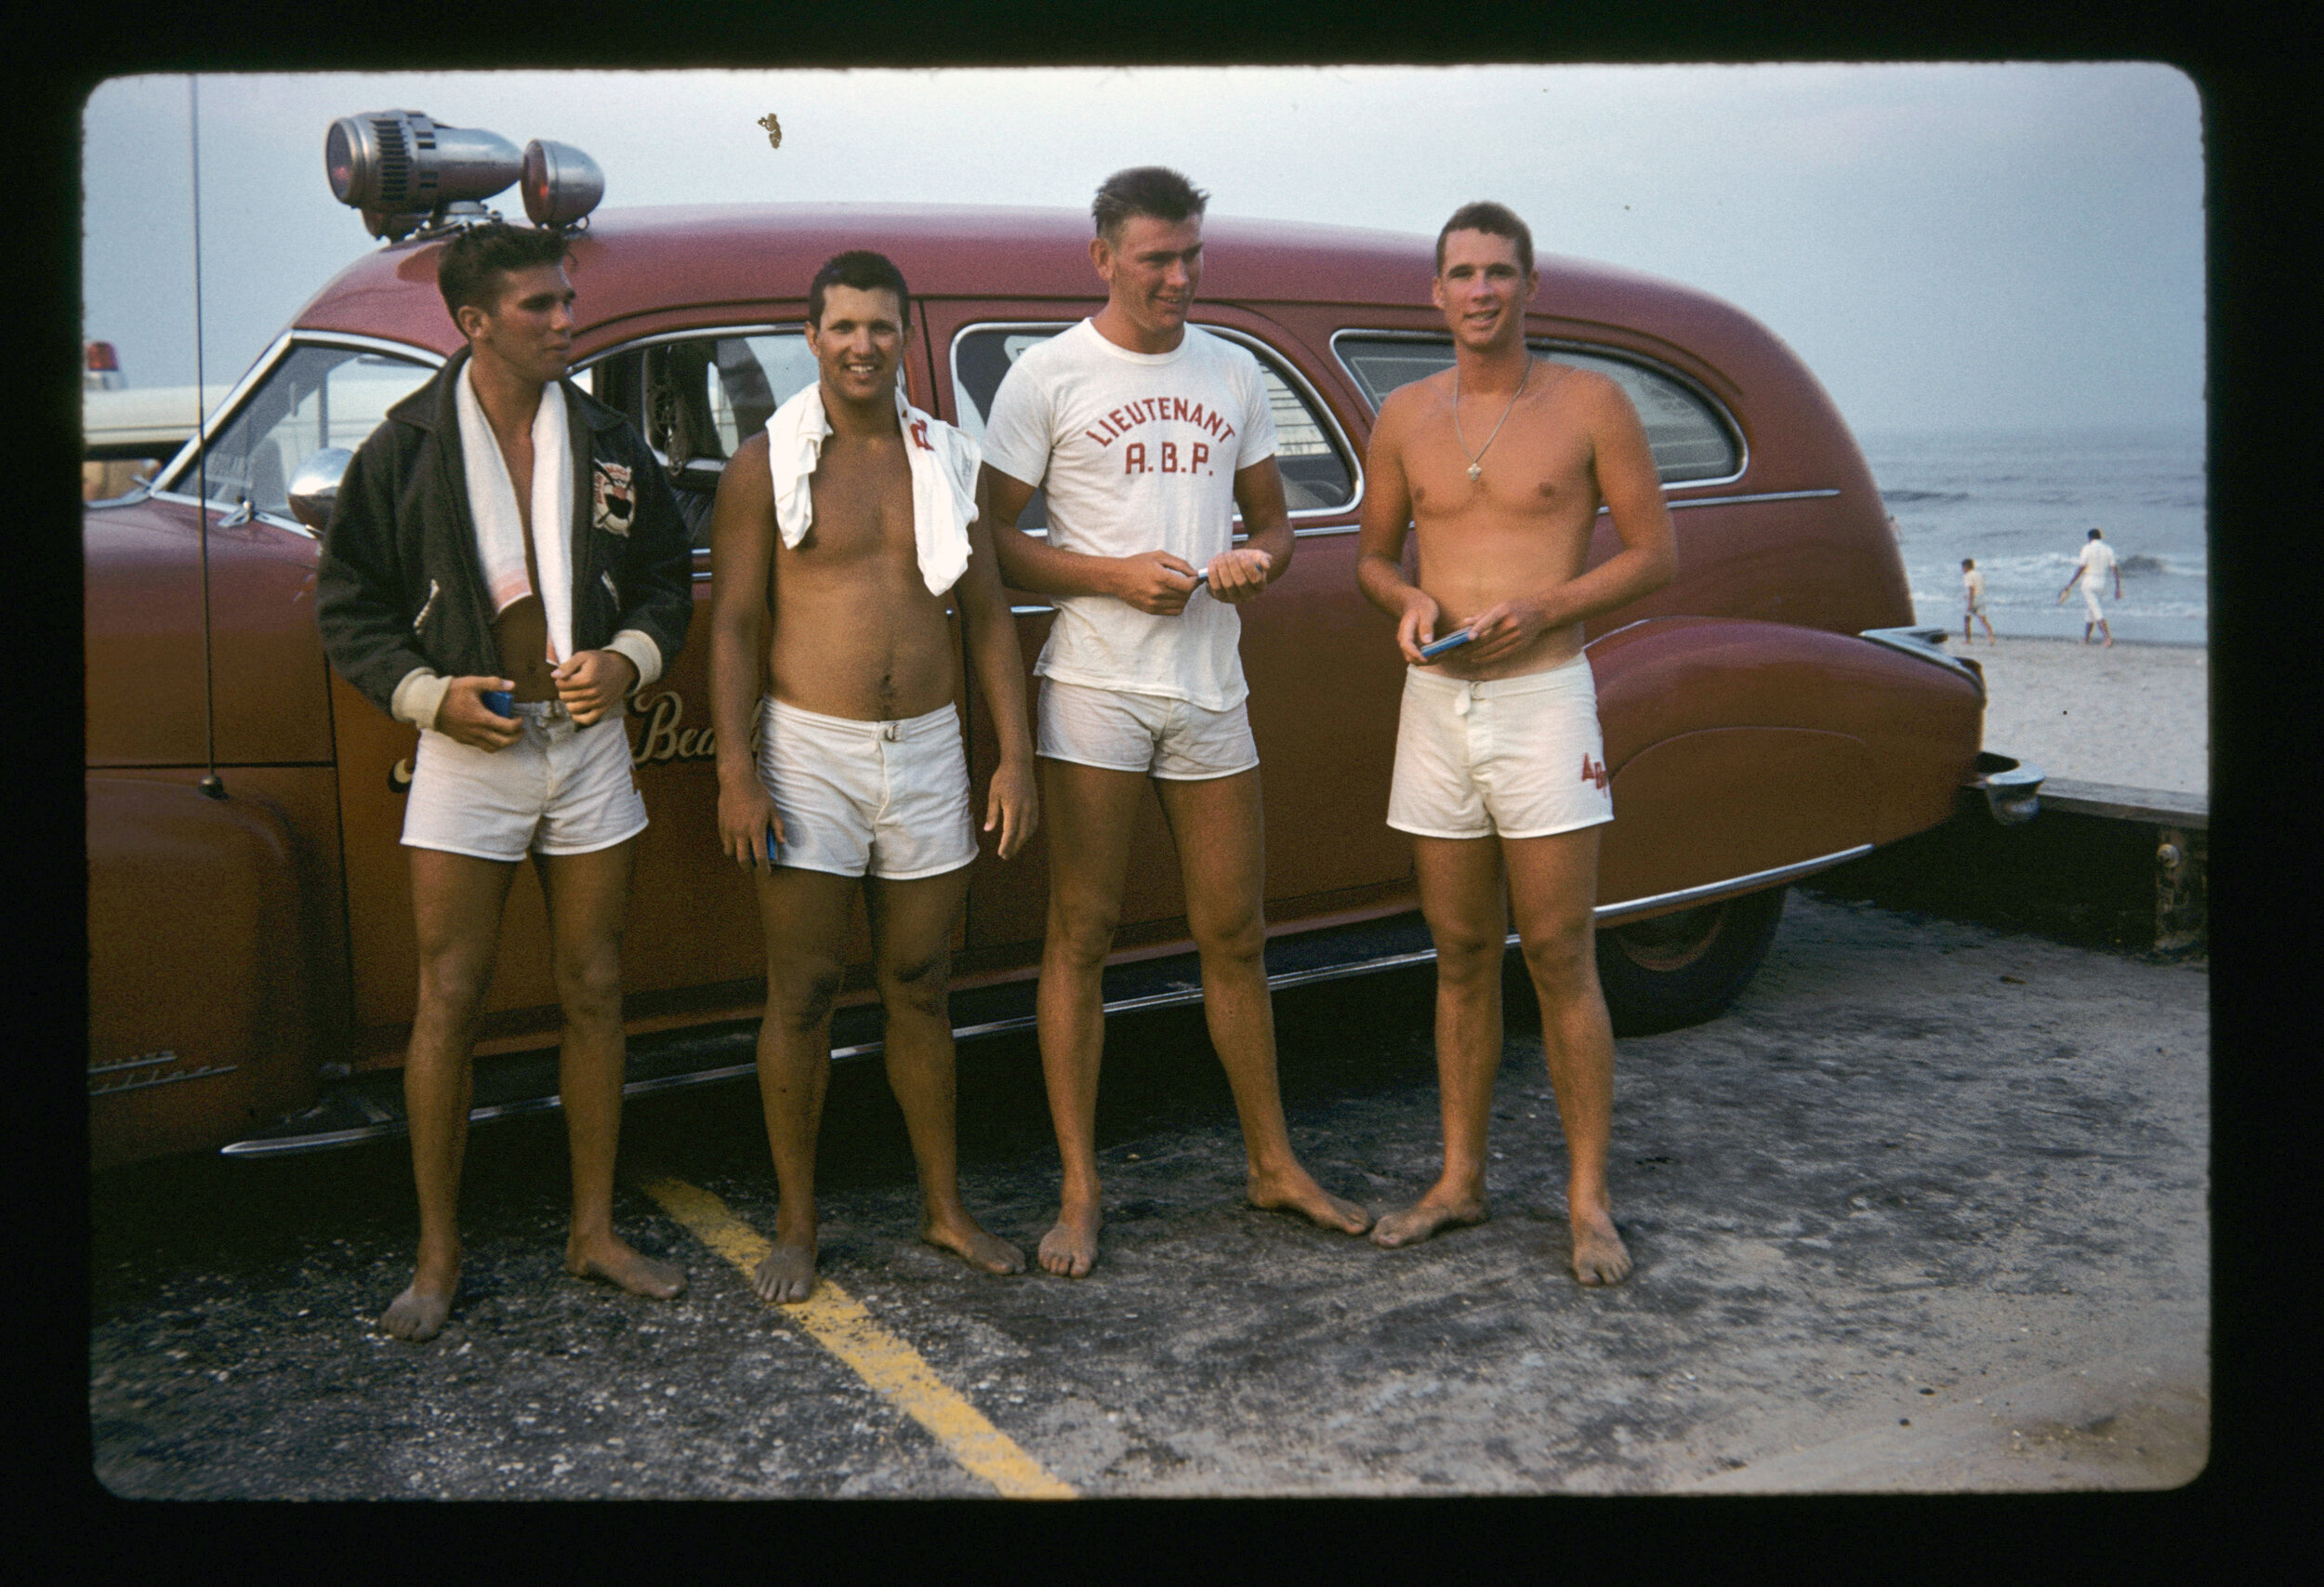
point(1521, 756)
point(885, 798)
point(557, 790)
point(1173, 739)
point(2090, 602)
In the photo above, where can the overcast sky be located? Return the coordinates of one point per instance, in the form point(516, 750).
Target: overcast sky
point(1948, 246)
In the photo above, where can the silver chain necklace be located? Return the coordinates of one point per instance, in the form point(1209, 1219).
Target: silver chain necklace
point(1476, 458)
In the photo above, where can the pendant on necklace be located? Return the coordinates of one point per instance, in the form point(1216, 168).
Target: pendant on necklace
point(1476, 471)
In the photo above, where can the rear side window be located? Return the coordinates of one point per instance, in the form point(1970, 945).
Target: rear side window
point(696, 399)
point(1691, 438)
point(1317, 474)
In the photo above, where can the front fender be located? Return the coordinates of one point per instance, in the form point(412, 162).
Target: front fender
point(199, 995)
point(1738, 747)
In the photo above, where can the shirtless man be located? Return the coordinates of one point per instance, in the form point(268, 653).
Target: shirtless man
point(478, 538)
point(1140, 680)
point(851, 521)
point(1500, 464)
point(2091, 569)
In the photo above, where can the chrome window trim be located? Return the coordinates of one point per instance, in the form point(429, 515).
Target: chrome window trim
point(1596, 349)
point(692, 333)
point(1259, 347)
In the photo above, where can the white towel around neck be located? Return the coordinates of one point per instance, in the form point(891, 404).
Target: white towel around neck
point(492, 501)
point(944, 463)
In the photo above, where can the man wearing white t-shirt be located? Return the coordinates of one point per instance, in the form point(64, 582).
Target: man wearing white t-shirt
point(2092, 569)
point(1147, 434)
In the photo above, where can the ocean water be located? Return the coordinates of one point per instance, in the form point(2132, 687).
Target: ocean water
point(2023, 503)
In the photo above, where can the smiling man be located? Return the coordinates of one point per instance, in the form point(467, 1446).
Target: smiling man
point(852, 522)
point(502, 531)
point(1147, 434)
point(1499, 466)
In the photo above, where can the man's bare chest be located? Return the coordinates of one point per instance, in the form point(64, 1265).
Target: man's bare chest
point(863, 508)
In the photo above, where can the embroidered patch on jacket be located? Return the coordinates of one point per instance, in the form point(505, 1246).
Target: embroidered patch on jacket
point(612, 505)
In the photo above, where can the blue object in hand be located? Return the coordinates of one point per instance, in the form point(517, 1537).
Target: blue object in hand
point(1458, 637)
point(500, 702)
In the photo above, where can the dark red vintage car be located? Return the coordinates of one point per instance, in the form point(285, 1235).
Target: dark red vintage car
point(1768, 714)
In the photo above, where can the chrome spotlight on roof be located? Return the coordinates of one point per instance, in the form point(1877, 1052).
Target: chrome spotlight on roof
point(561, 184)
point(409, 173)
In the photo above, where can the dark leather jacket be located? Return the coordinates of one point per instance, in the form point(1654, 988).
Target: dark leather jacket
point(398, 585)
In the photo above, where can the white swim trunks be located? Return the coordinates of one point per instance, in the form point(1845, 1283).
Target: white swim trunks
point(2089, 601)
point(1173, 739)
point(557, 790)
point(1521, 756)
point(887, 799)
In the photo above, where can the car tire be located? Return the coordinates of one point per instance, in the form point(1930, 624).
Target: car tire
point(1682, 969)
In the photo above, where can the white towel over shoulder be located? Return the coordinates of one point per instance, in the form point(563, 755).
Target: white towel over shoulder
point(492, 502)
point(943, 465)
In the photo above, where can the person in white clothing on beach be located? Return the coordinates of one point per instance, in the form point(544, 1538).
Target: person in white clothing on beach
point(1147, 433)
point(1973, 602)
point(2092, 569)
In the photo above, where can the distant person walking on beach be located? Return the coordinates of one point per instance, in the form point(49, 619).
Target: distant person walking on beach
point(2091, 569)
point(1973, 598)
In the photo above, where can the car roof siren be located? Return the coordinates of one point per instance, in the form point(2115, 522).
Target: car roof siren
point(410, 173)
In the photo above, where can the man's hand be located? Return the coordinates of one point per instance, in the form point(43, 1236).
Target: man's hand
point(1240, 575)
point(746, 813)
point(1418, 627)
point(1502, 630)
point(1154, 581)
point(1014, 804)
point(464, 718)
point(592, 683)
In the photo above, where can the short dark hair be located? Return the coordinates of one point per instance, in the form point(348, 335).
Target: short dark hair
point(866, 271)
point(1497, 219)
point(2093, 533)
point(1968, 562)
point(469, 269)
point(1154, 190)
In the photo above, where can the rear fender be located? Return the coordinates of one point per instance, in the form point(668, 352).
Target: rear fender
point(199, 981)
point(1737, 747)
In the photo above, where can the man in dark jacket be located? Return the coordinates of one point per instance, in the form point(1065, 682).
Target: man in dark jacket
point(506, 565)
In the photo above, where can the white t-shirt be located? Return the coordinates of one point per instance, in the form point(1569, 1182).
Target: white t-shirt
point(2097, 560)
point(1972, 586)
point(1137, 452)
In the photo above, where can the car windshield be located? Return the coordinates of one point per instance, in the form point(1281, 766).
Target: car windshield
point(315, 396)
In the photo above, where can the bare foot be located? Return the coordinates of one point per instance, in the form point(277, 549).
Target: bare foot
point(1600, 1257)
point(1429, 1216)
point(987, 1253)
point(615, 1262)
point(787, 1274)
point(1070, 1248)
point(1295, 1191)
point(418, 1314)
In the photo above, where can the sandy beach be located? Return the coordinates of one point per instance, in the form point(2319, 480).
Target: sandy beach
point(2137, 715)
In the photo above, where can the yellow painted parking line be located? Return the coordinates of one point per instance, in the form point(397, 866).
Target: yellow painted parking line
point(842, 1327)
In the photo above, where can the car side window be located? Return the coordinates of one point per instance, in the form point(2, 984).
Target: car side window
point(315, 396)
point(696, 399)
point(1317, 474)
point(1692, 440)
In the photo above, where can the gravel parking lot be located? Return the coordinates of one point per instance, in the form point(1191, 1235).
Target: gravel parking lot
point(1925, 1212)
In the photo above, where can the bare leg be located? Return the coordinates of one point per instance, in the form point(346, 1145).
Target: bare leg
point(456, 901)
point(1219, 831)
point(911, 925)
point(805, 916)
point(1553, 884)
point(588, 905)
point(1088, 810)
point(1461, 897)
